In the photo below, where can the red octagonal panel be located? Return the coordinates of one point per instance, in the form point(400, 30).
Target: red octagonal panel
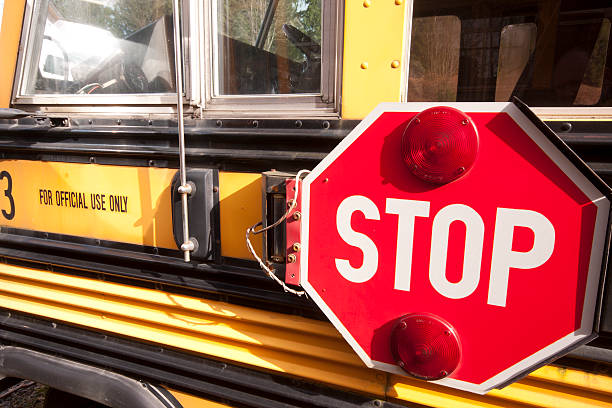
point(509, 255)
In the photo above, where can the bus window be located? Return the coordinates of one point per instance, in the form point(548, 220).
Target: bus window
point(267, 47)
point(546, 52)
point(82, 47)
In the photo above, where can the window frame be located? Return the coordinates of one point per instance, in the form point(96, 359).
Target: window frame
point(62, 102)
point(323, 104)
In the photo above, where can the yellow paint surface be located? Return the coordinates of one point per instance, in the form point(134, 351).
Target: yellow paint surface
point(46, 198)
point(10, 32)
point(240, 208)
point(373, 39)
point(190, 401)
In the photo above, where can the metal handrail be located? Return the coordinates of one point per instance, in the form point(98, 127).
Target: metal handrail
point(184, 189)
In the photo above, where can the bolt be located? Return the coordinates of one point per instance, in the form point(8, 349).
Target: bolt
point(403, 325)
point(118, 121)
point(255, 123)
point(443, 373)
point(219, 123)
point(296, 247)
point(90, 122)
point(447, 332)
point(417, 121)
point(401, 364)
point(291, 258)
point(297, 215)
point(298, 123)
point(460, 170)
point(465, 122)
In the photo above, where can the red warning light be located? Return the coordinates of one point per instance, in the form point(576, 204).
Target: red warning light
point(440, 144)
point(425, 346)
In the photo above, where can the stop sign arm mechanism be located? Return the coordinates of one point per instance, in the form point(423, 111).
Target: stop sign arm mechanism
point(253, 230)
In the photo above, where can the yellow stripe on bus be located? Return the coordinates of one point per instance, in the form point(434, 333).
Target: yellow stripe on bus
point(268, 341)
point(118, 203)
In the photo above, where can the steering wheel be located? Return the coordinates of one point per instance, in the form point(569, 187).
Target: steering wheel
point(309, 77)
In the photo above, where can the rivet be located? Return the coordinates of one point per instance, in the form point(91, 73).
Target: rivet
point(215, 189)
point(400, 363)
point(465, 122)
point(364, 65)
point(398, 2)
point(219, 123)
point(367, 3)
point(118, 121)
point(291, 258)
point(417, 121)
point(395, 64)
point(297, 215)
point(298, 123)
point(296, 247)
point(443, 373)
point(403, 325)
point(325, 180)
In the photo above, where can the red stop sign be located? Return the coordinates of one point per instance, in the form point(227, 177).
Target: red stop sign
point(504, 260)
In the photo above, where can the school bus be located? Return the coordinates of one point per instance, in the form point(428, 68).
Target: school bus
point(139, 139)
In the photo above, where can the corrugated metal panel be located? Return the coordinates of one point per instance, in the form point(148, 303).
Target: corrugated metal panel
point(289, 344)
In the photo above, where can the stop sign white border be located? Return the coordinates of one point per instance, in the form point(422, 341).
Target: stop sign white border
point(603, 207)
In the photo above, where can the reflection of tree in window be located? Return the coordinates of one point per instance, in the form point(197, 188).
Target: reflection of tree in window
point(242, 20)
point(268, 46)
point(121, 17)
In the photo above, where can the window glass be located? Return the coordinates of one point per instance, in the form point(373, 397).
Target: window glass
point(267, 47)
point(546, 52)
point(101, 47)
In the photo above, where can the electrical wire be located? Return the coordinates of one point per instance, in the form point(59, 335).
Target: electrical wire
point(254, 231)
